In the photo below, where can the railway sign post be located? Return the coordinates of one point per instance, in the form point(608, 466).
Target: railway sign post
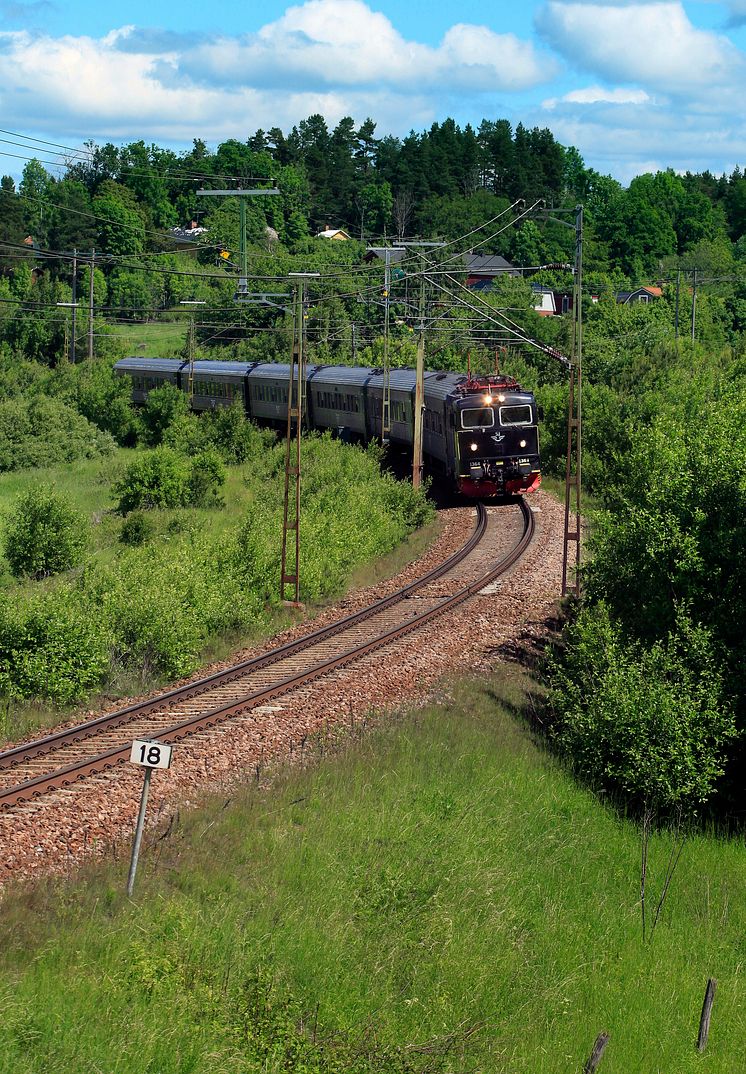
point(149, 755)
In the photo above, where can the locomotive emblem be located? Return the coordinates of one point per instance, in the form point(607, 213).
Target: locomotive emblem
point(497, 437)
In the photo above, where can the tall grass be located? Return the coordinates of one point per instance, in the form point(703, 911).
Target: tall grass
point(203, 578)
point(437, 896)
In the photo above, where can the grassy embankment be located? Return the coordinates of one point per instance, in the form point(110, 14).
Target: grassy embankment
point(164, 340)
point(204, 582)
point(437, 896)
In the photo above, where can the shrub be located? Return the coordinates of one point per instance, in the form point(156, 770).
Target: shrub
point(647, 722)
point(104, 399)
point(136, 529)
point(155, 479)
point(161, 478)
point(164, 406)
point(225, 429)
point(234, 437)
point(187, 435)
point(206, 478)
point(44, 534)
point(51, 646)
point(42, 431)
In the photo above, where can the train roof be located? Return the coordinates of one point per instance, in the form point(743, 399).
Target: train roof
point(340, 374)
point(271, 371)
point(151, 365)
point(223, 369)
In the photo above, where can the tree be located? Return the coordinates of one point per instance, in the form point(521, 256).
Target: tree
point(36, 188)
point(527, 248)
point(43, 534)
point(12, 231)
point(72, 225)
point(121, 227)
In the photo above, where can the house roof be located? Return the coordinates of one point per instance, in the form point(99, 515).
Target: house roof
point(487, 265)
point(332, 233)
point(651, 290)
point(396, 253)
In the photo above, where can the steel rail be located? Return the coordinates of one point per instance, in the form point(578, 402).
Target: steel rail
point(39, 747)
point(64, 777)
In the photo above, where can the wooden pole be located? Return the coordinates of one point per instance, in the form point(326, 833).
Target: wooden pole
point(419, 396)
point(574, 426)
point(704, 1020)
point(90, 307)
point(74, 305)
point(597, 1054)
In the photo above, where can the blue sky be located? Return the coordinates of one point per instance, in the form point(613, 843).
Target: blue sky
point(635, 85)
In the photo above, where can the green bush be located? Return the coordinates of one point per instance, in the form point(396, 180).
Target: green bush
point(43, 534)
point(163, 407)
point(161, 609)
point(206, 478)
point(105, 400)
point(155, 479)
point(42, 431)
point(233, 436)
point(225, 429)
point(647, 722)
point(136, 529)
point(52, 647)
point(161, 478)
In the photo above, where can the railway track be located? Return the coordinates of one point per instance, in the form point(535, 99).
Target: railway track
point(60, 759)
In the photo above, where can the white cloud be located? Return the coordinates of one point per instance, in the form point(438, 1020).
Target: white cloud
point(344, 43)
point(337, 57)
point(625, 138)
point(598, 95)
point(651, 44)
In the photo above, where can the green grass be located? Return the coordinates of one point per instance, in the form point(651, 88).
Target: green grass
point(163, 340)
point(88, 485)
point(438, 896)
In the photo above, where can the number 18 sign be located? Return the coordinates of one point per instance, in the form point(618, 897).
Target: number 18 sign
point(151, 754)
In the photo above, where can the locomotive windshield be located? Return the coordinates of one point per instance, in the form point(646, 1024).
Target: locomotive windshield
point(515, 415)
point(477, 419)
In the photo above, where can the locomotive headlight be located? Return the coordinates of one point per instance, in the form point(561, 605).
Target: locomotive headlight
point(501, 398)
point(474, 447)
point(488, 400)
point(523, 443)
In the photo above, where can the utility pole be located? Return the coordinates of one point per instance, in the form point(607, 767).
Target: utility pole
point(290, 566)
point(191, 343)
point(676, 313)
point(694, 302)
point(243, 282)
point(386, 390)
point(574, 411)
point(74, 305)
point(90, 307)
point(419, 394)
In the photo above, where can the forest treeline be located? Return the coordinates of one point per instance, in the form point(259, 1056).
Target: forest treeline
point(438, 183)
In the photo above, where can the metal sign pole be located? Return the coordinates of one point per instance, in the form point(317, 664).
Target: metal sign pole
point(139, 830)
point(149, 754)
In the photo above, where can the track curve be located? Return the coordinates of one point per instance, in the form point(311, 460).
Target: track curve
point(63, 758)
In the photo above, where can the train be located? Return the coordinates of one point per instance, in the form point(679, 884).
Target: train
point(480, 433)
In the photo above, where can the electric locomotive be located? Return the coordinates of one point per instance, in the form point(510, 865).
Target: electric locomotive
point(480, 434)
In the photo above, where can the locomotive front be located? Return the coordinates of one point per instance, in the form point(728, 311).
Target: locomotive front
point(497, 438)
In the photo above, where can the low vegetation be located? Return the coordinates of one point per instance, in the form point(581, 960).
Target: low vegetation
point(195, 559)
point(405, 906)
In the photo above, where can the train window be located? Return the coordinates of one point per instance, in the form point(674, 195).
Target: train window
point(515, 415)
point(478, 419)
